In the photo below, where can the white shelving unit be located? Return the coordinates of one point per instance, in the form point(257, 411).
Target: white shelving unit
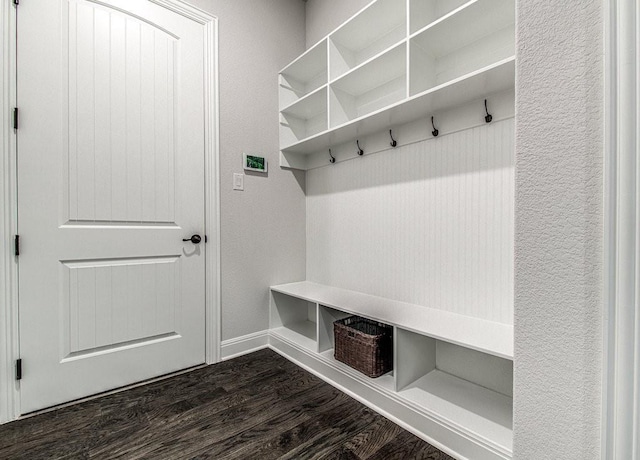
point(451, 370)
point(392, 63)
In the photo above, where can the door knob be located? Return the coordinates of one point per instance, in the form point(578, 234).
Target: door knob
point(195, 239)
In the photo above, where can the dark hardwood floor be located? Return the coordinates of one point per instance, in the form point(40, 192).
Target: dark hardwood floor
point(259, 406)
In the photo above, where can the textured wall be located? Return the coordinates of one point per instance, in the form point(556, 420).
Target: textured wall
point(429, 223)
point(262, 228)
point(558, 241)
point(322, 16)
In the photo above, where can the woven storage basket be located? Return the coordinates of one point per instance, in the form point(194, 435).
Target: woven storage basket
point(364, 344)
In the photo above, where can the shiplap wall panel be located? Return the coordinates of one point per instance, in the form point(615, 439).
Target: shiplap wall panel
point(429, 223)
point(121, 117)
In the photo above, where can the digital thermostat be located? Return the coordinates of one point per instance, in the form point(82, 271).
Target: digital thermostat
point(254, 162)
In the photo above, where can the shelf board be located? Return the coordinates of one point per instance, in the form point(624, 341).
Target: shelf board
point(302, 333)
point(309, 64)
point(476, 85)
point(385, 381)
point(478, 410)
point(375, 20)
point(465, 25)
point(308, 106)
point(475, 333)
point(382, 68)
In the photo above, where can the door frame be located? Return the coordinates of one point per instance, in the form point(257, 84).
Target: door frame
point(9, 313)
point(621, 345)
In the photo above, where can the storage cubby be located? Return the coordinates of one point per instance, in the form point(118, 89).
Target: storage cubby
point(370, 87)
point(453, 374)
point(424, 12)
point(462, 386)
point(380, 26)
point(326, 347)
point(304, 118)
point(304, 75)
point(294, 319)
point(326, 317)
point(476, 36)
point(389, 66)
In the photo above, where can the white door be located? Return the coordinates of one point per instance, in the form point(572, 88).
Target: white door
point(110, 181)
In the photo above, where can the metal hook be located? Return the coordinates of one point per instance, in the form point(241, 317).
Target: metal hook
point(360, 151)
point(435, 132)
point(332, 160)
point(488, 118)
point(393, 141)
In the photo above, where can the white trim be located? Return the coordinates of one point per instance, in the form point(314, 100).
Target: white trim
point(212, 162)
point(9, 343)
point(434, 430)
point(244, 345)
point(621, 398)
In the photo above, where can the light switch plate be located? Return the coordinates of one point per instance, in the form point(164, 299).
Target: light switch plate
point(238, 181)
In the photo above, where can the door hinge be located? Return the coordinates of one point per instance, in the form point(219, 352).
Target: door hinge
point(15, 118)
point(17, 245)
point(206, 239)
point(19, 369)
point(16, 2)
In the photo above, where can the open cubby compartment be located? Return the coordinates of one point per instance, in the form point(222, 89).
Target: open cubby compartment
point(326, 344)
point(326, 317)
point(304, 118)
point(424, 12)
point(468, 388)
point(373, 86)
point(478, 35)
point(304, 75)
point(294, 319)
point(378, 27)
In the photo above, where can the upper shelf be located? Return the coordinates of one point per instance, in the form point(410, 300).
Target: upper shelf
point(475, 333)
point(377, 27)
point(465, 25)
point(422, 13)
point(387, 66)
point(492, 79)
point(304, 75)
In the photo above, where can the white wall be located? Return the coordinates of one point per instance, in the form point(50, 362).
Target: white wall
point(559, 235)
point(558, 240)
point(322, 16)
point(429, 223)
point(263, 228)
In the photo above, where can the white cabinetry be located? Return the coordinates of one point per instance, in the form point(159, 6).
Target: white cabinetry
point(452, 370)
point(392, 63)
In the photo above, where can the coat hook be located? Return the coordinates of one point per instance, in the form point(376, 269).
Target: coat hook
point(435, 132)
point(488, 118)
point(393, 141)
point(360, 151)
point(332, 160)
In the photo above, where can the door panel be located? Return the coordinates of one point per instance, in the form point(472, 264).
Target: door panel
point(110, 180)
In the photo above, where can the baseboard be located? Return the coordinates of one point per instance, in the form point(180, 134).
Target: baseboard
point(435, 431)
point(243, 345)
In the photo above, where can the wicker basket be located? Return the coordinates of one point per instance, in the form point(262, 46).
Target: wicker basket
point(364, 344)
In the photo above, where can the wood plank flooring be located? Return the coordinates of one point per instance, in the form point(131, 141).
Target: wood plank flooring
point(259, 406)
